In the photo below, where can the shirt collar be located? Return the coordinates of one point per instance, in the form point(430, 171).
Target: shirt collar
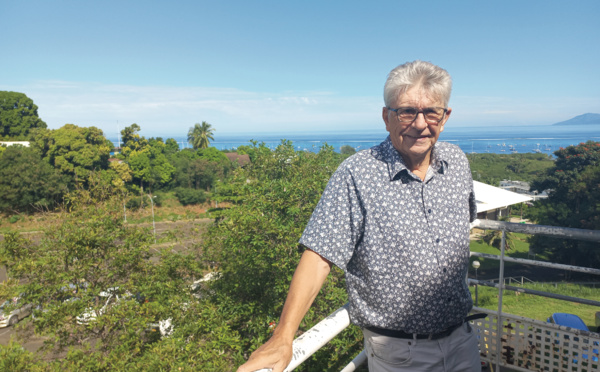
point(387, 153)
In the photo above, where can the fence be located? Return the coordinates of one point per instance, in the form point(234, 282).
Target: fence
point(515, 342)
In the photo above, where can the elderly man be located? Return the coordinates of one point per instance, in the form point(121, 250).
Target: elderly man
point(396, 219)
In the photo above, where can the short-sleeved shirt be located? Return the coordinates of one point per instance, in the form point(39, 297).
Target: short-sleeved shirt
point(403, 243)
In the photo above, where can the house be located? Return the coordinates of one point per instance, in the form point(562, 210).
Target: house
point(522, 187)
point(241, 160)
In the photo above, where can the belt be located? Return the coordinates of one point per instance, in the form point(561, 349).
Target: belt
point(431, 336)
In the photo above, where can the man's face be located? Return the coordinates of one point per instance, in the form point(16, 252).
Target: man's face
point(414, 141)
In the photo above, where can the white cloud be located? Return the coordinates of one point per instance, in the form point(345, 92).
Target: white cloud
point(469, 110)
point(171, 111)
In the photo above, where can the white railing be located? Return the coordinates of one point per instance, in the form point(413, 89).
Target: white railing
point(520, 344)
point(318, 336)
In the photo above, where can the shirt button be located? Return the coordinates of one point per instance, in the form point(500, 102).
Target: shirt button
point(445, 269)
point(429, 211)
point(437, 240)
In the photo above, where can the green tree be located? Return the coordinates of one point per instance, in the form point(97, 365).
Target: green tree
point(347, 150)
point(200, 134)
point(149, 166)
point(493, 168)
point(573, 201)
point(29, 184)
point(255, 246)
point(254, 150)
point(73, 150)
point(200, 169)
point(132, 139)
point(18, 116)
point(64, 273)
point(211, 154)
point(494, 238)
point(171, 147)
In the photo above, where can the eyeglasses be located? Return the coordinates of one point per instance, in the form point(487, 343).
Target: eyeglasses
point(432, 115)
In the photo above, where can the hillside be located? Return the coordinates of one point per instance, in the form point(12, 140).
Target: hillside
point(585, 119)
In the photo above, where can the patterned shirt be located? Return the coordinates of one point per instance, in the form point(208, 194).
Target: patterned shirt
point(403, 243)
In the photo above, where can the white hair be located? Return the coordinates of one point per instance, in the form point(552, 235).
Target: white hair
point(431, 78)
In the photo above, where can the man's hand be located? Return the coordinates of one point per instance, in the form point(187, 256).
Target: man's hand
point(275, 354)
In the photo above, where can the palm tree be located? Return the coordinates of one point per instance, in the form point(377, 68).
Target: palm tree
point(199, 135)
point(494, 238)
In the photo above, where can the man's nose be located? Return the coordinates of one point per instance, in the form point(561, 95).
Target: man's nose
point(419, 122)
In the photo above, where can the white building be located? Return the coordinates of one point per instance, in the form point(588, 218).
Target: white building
point(10, 143)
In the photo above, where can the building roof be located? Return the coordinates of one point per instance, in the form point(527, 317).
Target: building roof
point(10, 143)
point(240, 159)
point(489, 197)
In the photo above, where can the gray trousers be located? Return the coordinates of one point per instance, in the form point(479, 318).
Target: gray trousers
point(457, 352)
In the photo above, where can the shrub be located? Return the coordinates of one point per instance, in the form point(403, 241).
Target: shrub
point(347, 150)
point(133, 203)
point(190, 196)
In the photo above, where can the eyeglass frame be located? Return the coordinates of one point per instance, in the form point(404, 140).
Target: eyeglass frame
point(419, 112)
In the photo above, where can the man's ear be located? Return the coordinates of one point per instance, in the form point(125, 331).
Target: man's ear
point(445, 119)
point(385, 115)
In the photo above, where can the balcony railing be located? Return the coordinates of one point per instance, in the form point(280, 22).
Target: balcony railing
point(519, 344)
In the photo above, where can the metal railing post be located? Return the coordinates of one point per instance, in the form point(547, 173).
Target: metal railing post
point(502, 285)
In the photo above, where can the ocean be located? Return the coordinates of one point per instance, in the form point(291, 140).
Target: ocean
point(498, 140)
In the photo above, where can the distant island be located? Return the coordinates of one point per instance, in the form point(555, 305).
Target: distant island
point(585, 119)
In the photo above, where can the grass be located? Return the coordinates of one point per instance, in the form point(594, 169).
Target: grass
point(531, 306)
point(170, 210)
point(540, 308)
point(521, 250)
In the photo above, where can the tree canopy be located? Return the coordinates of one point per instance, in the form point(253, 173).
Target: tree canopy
point(493, 168)
point(254, 244)
point(200, 134)
point(64, 273)
point(74, 150)
point(18, 116)
point(573, 201)
point(28, 183)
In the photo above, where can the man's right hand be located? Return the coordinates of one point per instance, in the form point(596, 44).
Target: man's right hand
point(275, 354)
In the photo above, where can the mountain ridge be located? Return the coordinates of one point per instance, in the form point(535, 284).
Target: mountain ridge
point(585, 119)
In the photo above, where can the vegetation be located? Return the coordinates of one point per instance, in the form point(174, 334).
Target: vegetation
point(200, 134)
point(574, 201)
point(65, 272)
point(72, 150)
point(255, 246)
point(540, 308)
point(190, 196)
point(28, 183)
point(88, 248)
point(493, 168)
point(347, 150)
point(18, 116)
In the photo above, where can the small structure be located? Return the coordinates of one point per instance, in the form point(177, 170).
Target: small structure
point(494, 202)
point(522, 187)
point(11, 143)
point(241, 160)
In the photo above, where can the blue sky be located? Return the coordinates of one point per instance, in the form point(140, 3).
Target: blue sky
point(263, 66)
